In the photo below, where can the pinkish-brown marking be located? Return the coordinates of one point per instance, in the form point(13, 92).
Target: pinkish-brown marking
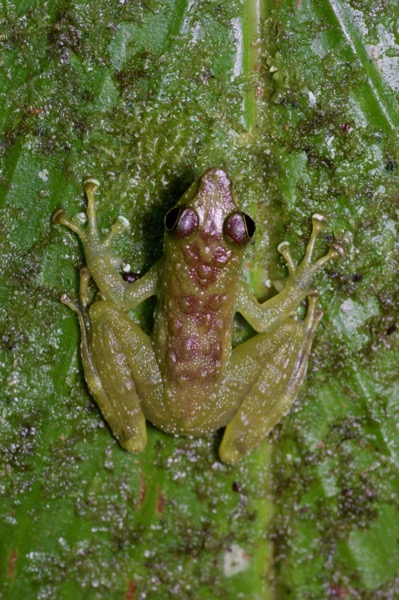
point(161, 503)
point(11, 563)
point(189, 305)
point(131, 591)
point(142, 489)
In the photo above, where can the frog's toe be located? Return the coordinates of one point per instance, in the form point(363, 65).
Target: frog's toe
point(134, 444)
point(90, 185)
point(229, 451)
point(319, 221)
point(61, 218)
point(284, 250)
point(58, 216)
point(336, 251)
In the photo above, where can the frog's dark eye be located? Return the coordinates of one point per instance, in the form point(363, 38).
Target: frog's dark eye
point(239, 228)
point(181, 221)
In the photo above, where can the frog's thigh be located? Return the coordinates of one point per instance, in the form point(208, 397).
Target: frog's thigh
point(120, 370)
point(268, 371)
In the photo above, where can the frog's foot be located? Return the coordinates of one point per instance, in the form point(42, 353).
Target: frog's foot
point(313, 314)
point(80, 308)
point(336, 251)
point(91, 233)
point(83, 293)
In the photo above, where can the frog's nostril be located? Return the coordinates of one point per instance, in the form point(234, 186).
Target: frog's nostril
point(215, 174)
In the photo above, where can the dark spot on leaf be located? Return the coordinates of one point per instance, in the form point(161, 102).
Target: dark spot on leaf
point(390, 165)
point(236, 487)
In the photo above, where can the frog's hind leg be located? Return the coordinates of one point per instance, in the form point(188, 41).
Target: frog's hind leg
point(276, 365)
point(115, 395)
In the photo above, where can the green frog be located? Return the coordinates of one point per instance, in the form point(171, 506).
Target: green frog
point(185, 377)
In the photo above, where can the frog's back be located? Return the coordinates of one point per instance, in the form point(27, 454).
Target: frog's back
point(196, 304)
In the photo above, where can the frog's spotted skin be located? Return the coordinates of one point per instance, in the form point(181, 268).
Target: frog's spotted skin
point(192, 333)
point(186, 378)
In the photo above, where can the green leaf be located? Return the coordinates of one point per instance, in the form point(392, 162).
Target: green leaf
point(297, 100)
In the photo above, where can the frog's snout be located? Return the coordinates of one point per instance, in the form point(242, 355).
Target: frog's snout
point(215, 180)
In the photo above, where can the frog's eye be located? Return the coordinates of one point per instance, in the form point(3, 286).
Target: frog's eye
point(181, 221)
point(239, 228)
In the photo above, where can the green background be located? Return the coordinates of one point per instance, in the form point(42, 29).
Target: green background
point(297, 100)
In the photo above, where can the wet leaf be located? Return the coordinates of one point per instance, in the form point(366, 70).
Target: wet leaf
point(297, 100)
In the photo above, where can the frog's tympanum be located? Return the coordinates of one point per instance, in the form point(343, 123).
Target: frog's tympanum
point(186, 378)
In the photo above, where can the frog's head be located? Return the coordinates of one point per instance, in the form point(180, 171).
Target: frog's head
point(208, 210)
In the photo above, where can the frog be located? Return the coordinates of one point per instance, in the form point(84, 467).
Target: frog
point(185, 377)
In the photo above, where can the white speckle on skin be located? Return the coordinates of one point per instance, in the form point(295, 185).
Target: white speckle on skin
point(235, 560)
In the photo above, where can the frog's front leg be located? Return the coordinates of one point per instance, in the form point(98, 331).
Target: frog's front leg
point(101, 261)
point(267, 316)
point(119, 366)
